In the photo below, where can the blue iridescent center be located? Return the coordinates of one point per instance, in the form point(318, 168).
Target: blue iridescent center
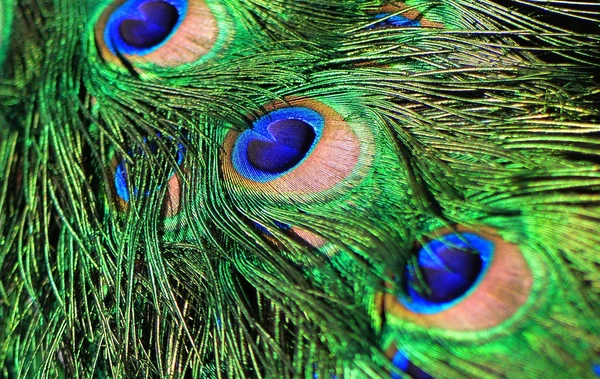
point(445, 271)
point(397, 21)
point(278, 143)
point(139, 27)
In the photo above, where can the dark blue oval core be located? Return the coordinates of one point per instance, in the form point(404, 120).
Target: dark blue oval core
point(277, 143)
point(159, 19)
point(444, 271)
point(139, 27)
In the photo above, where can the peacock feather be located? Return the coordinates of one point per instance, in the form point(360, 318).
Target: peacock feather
point(299, 189)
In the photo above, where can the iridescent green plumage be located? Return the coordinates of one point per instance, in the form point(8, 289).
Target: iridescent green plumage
point(133, 245)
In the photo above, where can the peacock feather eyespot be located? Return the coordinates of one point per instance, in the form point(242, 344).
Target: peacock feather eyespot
point(445, 271)
point(463, 281)
point(163, 33)
point(301, 147)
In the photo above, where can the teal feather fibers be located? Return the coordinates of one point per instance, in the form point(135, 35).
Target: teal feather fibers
point(484, 117)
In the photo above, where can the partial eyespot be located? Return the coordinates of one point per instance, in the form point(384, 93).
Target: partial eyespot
point(300, 235)
point(122, 181)
point(173, 205)
point(309, 238)
point(295, 150)
point(266, 231)
point(394, 21)
point(465, 282)
point(163, 33)
point(400, 15)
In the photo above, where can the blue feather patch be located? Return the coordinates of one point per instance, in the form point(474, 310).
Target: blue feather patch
point(402, 362)
point(120, 181)
point(266, 231)
point(396, 21)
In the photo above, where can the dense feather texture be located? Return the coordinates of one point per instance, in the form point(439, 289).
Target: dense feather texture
point(133, 242)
